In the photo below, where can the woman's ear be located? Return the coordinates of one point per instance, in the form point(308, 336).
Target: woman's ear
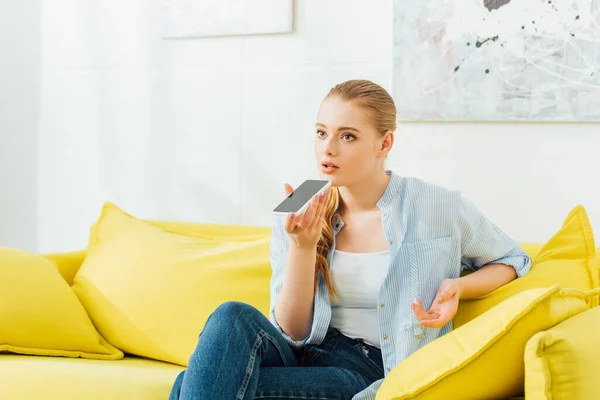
point(387, 142)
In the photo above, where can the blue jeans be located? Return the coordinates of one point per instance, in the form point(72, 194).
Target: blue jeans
point(240, 355)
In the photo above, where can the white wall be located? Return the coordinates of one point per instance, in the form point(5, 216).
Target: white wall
point(525, 177)
point(19, 106)
point(210, 129)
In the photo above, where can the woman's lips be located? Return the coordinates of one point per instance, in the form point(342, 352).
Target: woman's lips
point(329, 168)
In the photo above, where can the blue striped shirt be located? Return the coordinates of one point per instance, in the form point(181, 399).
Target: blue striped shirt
point(433, 234)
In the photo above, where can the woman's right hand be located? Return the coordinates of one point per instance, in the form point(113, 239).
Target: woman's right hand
point(305, 229)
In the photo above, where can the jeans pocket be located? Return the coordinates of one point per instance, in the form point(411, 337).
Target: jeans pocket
point(372, 358)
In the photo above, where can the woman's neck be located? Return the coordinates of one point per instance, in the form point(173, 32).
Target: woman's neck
point(363, 196)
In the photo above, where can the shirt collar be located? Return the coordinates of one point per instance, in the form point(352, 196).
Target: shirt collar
point(392, 189)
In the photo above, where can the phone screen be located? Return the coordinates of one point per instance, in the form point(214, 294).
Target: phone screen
point(300, 196)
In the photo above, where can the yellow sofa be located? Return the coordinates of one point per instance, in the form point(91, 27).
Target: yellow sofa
point(136, 377)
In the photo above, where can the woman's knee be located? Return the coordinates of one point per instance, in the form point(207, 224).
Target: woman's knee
point(232, 312)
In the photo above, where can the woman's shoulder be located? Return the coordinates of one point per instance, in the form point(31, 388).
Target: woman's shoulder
point(426, 210)
point(419, 190)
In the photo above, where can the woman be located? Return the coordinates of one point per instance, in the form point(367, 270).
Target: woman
point(368, 275)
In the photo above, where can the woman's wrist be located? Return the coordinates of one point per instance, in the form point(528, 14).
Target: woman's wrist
point(485, 280)
point(298, 248)
point(459, 284)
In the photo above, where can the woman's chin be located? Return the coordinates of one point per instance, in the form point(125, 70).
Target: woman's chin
point(335, 181)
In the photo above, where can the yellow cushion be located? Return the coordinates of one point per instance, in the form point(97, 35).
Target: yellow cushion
point(149, 292)
point(484, 358)
point(235, 233)
point(532, 249)
point(68, 263)
point(597, 261)
point(566, 259)
point(228, 232)
point(562, 363)
point(40, 315)
point(68, 378)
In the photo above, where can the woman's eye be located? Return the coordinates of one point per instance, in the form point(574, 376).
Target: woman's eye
point(347, 137)
point(320, 133)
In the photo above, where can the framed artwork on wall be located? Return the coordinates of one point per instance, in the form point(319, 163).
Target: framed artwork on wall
point(206, 18)
point(497, 60)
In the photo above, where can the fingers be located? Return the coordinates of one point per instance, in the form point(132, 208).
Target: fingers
point(437, 322)
point(423, 315)
point(418, 309)
point(435, 317)
point(310, 212)
point(289, 223)
point(443, 296)
point(439, 298)
point(449, 289)
point(320, 212)
point(311, 218)
point(432, 324)
point(288, 189)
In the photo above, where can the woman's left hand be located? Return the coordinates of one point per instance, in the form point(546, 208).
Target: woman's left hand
point(444, 305)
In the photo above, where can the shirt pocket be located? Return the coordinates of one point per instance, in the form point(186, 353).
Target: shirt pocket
point(431, 261)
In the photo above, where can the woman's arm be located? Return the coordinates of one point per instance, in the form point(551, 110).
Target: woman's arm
point(485, 280)
point(292, 287)
point(293, 260)
point(294, 306)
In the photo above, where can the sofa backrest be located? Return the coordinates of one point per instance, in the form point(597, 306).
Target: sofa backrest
point(68, 263)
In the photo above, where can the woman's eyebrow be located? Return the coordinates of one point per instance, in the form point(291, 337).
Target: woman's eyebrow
point(347, 128)
point(341, 128)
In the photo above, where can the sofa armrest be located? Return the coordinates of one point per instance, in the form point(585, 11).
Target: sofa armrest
point(68, 263)
point(563, 362)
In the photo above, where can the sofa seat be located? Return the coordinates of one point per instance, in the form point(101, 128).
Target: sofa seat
point(33, 377)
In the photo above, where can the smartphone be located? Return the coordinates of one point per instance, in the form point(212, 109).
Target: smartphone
point(299, 200)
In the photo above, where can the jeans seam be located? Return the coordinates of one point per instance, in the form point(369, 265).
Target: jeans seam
point(274, 342)
point(222, 361)
point(250, 367)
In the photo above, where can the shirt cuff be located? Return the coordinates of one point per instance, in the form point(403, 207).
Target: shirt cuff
point(297, 344)
point(521, 264)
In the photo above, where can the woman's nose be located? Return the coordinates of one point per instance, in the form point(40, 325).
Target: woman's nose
point(329, 147)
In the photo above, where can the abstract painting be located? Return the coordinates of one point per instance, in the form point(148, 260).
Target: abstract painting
point(201, 18)
point(497, 60)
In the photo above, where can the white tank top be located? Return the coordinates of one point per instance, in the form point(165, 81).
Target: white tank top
point(357, 278)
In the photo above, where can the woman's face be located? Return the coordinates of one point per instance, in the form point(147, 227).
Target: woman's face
point(347, 148)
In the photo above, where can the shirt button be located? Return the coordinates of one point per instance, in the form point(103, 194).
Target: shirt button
point(385, 337)
point(392, 241)
point(381, 305)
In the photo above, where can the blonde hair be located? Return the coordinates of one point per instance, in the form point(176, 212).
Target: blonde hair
point(381, 110)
